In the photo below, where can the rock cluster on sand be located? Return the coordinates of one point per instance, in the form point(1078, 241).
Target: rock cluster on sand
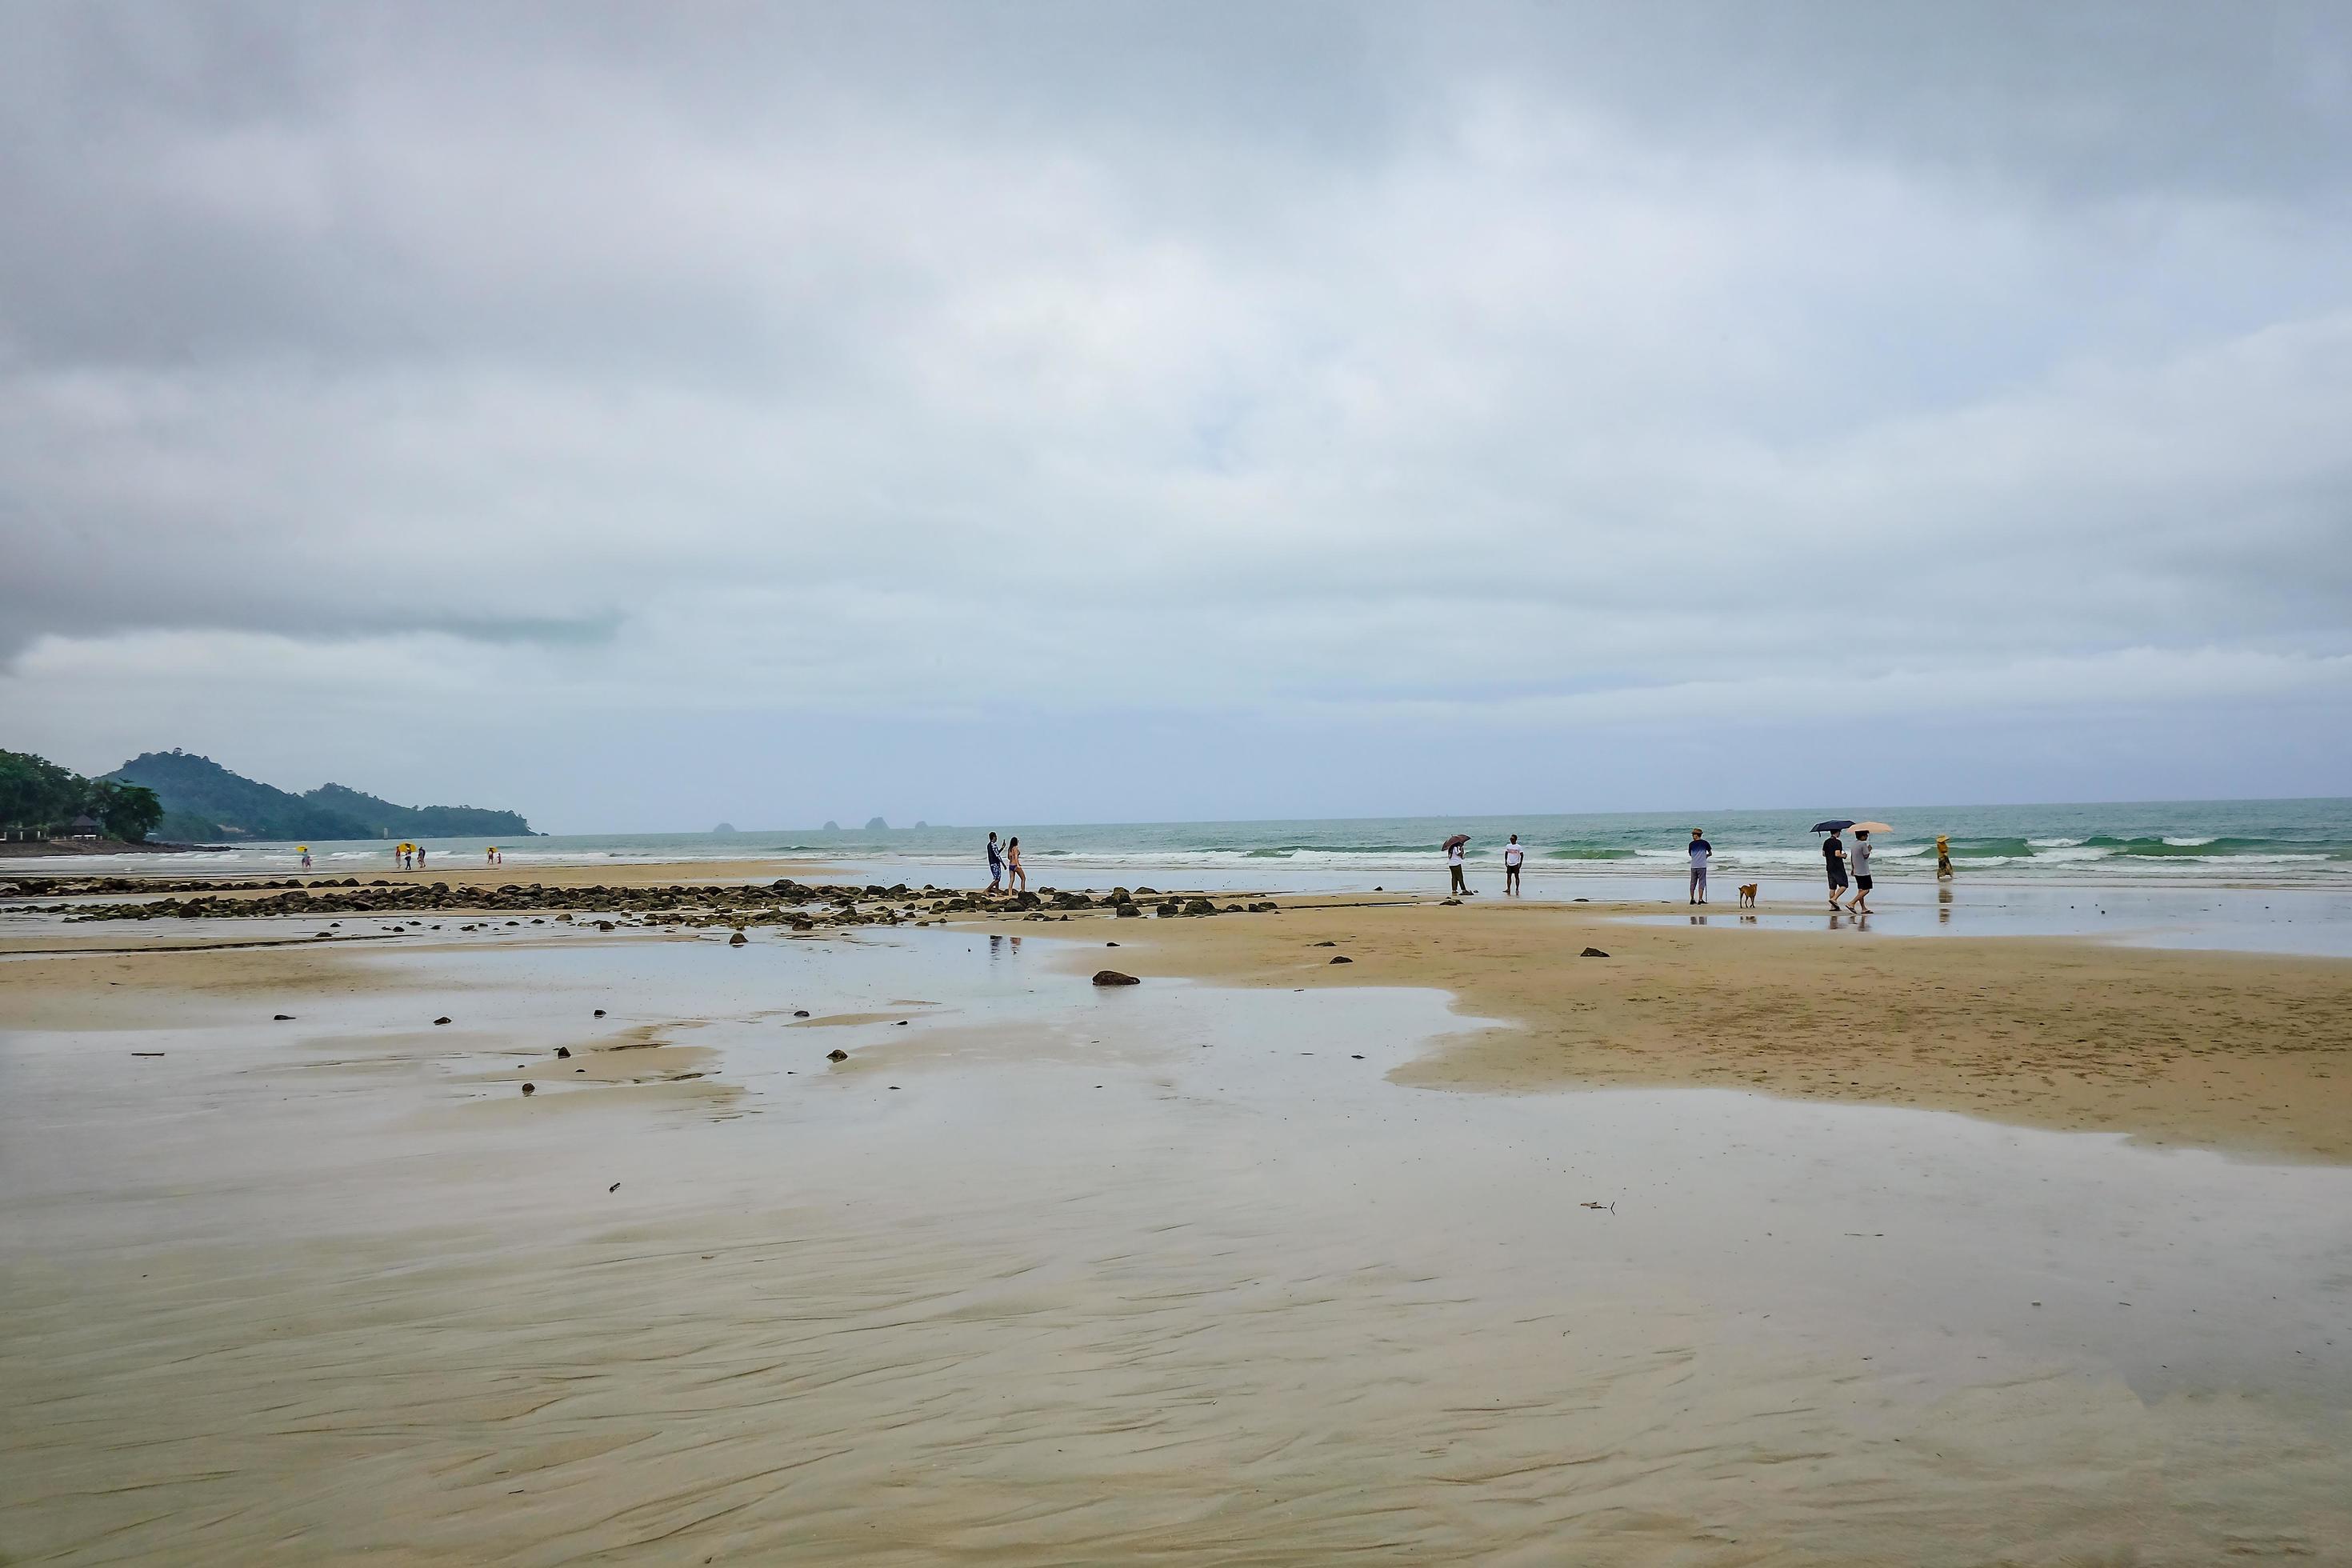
point(784, 903)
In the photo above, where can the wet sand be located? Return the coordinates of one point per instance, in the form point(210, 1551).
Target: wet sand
point(2223, 1051)
point(1044, 1272)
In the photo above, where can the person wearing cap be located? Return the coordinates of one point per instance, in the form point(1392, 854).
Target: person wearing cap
point(1943, 857)
point(1701, 852)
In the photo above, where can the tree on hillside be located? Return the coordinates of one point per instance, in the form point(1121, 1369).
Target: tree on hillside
point(37, 795)
point(128, 811)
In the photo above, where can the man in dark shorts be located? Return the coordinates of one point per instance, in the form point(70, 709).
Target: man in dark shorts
point(995, 865)
point(1833, 857)
point(1861, 905)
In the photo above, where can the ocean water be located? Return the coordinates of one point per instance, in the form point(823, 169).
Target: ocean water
point(2264, 842)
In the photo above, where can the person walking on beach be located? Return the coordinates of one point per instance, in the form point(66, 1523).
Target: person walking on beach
point(306, 855)
point(1861, 904)
point(1701, 852)
point(1016, 881)
point(1514, 854)
point(1454, 866)
point(420, 856)
point(1834, 858)
point(995, 864)
point(1943, 857)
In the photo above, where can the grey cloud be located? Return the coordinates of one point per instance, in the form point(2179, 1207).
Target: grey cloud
point(1212, 359)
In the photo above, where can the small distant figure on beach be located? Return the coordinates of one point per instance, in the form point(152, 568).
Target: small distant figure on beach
point(1943, 857)
point(400, 852)
point(304, 849)
point(995, 865)
point(491, 856)
point(1834, 858)
point(1701, 852)
point(1861, 904)
point(1454, 863)
point(1514, 855)
point(1016, 881)
point(420, 856)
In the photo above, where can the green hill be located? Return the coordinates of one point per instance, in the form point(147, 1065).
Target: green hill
point(202, 800)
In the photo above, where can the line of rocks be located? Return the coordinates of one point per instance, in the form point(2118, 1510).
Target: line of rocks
point(784, 903)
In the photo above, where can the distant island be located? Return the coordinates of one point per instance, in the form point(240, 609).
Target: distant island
point(203, 801)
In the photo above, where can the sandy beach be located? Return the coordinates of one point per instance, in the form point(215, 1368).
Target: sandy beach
point(1222, 1266)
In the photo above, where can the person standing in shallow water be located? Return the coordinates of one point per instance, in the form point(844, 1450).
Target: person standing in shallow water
point(1943, 857)
point(1861, 905)
point(995, 864)
point(1453, 865)
point(1016, 881)
point(1514, 855)
point(1701, 852)
point(1834, 861)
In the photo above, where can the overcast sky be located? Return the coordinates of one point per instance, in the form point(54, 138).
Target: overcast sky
point(640, 415)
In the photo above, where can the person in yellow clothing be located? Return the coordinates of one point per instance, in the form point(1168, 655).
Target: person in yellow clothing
point(1943, 857)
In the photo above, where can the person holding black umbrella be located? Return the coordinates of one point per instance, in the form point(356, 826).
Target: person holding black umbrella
point(1454, 862)
point(1834, 861)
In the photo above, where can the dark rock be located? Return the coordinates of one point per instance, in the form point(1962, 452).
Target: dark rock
point(801, 1013)
point(563, 1053)
point(1592, 952)
point(613, 1188)
point(1129, 911)
point(1110, 944)
point(1147, 892)
point(531, 1089)
point(1113, 977)
point(1341, 958)
point(283, 1018)
point(836, 1055)
point(600, 1012)
point(1322, 944)
point(738, 940)
point(439, 1022)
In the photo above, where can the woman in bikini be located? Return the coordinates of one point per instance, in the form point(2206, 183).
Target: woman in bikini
point(1016, 881)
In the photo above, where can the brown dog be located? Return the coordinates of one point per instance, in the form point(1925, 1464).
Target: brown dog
point(1748, 895)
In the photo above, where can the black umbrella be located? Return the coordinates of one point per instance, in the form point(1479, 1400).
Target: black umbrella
point(1835, 824)
point(1457, 839)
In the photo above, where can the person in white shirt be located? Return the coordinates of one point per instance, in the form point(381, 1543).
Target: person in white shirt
point(1453, 865)
point(1514, 853)
point(1701, 852)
